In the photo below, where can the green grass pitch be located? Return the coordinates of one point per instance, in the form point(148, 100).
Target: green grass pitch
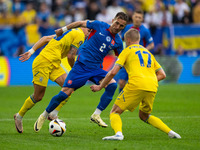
point(177, 105)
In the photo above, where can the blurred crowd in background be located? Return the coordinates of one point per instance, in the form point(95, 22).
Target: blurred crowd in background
point(24, 22)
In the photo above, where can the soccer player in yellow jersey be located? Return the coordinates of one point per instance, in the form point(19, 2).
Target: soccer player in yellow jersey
point(144, 72)
point(47, 66)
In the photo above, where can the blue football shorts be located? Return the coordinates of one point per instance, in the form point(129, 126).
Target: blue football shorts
point(122, 75)
point(80, 74)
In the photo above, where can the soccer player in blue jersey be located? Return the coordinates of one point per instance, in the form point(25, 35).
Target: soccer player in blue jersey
point(101, 40)
point(146, 40)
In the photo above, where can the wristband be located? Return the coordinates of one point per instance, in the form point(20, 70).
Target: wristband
point(64, 29)
point(32, 51)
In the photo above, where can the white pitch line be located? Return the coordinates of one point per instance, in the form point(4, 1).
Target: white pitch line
point(173, 117)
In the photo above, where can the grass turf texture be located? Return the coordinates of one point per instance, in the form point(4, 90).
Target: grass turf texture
point(176, 105)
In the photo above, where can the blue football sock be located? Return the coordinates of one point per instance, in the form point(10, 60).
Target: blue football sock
point(107, 96)
point(56, 100)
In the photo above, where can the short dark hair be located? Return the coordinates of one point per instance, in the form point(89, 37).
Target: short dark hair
point(139, 11)
point(122, 15)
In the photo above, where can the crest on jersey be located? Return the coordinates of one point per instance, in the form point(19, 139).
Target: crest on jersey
point(41, 79)
point(69, 82)
point(80, 43)
point(108, 39)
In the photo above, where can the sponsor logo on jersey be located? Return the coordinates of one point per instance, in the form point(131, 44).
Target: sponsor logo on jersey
point(108, 39)
point(101, 34)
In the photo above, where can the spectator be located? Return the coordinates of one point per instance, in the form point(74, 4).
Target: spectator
point(165, 16)
point(180, 8)
point(113, 9)
point(18, 6)
point(43, 14)
point(179, 50)
point(58, 5)
point(58, 13)
point(33, 35)
point(102, 3)
point(175, 19)
point(152, 20)
point(187, 18)
point(80, 13)
point(29, 14)
point(69, 15)
point(147, 5)
point(3, 7)
point(196, 13)
point(102, 16)
point(43, 18)
point(92, 10)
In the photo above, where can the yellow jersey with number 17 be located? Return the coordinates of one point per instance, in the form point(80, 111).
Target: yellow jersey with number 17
point(58, 47)
point(141, 67)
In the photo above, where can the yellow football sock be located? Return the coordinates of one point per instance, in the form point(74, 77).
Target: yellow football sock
point(116, 122)
point(157, 123)
point(61, 104)
point(28, 104)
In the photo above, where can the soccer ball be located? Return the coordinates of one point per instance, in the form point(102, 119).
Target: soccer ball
point(57, 127)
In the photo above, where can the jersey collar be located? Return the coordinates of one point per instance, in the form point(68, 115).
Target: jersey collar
point(113, 35)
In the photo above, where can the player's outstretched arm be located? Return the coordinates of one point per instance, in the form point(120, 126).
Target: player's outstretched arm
point(76, 24)
point(106, 80)
point(44, 40)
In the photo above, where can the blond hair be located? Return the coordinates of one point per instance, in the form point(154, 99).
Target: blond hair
point(133, 35)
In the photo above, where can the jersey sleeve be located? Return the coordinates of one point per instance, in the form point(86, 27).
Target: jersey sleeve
point(148, 37)
point(157, 66)
point(122, 57)
point(93, 24)
point(119, 49)
point(78, 39)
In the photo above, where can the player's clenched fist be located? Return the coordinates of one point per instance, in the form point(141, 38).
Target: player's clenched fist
point(95, 88)
point(59, 32)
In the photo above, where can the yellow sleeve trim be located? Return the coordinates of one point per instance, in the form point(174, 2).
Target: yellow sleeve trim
point(74, 46)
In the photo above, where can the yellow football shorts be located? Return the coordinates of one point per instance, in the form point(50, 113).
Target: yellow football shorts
point(130, 99)
point(43, 70)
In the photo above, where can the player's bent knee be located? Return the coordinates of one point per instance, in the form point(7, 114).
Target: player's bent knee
point(143, 116)
point(112, 86)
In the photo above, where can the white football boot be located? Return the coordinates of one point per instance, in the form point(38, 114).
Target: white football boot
point(97, 119)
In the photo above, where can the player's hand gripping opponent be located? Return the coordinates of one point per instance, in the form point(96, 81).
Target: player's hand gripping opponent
point(59, 32)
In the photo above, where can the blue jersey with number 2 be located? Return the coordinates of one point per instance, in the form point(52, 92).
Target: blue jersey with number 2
point(98, 44)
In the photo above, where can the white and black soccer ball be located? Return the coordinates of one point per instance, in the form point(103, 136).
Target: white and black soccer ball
point(57, 127)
